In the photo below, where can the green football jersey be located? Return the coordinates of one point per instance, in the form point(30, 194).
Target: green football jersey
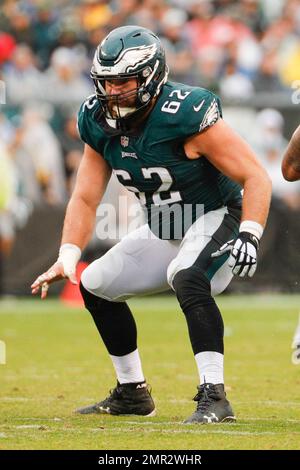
point(153, 163)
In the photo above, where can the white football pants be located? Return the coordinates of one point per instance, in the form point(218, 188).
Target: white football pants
point(143, 264)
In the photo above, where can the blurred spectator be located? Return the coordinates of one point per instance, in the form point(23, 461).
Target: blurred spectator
point(234, 85)
point(92, 41)
point(126, 12)
point(44, 32)
point(272, 9)
point(289, 70)
point(7, 195)
point(206, 30)
point(149, 14)
point(17, 22)
point(40, 143)
point(94, 14)
point(6, 130)
point(248, 54)
point(64, 81)
point(283, 35)
point(179, 57)
point(24, 82)
point(283, 239)
point(72, 148)
point(253, 15)
point(70, 139)
point(208, 66)
point(28, 187)
point(7, 45)
point(270, 144)
point(267, 78)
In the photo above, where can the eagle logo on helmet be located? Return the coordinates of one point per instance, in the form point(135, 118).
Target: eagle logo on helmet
point(139, 56)
point(129, 60)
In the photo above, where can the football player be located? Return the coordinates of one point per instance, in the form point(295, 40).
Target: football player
point(166, 142)
point(291, 158)
point(291, 172)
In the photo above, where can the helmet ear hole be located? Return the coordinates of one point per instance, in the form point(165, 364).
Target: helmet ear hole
point(146, 72)
point(144, 97)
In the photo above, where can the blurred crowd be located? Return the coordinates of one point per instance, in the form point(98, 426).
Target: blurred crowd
point(236, 48)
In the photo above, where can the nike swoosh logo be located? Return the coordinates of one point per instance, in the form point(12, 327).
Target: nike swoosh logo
point(197, 108)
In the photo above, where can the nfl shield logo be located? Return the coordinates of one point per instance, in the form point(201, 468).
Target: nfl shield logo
point(124, 141)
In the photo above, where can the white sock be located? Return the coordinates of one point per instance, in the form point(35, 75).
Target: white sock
point(210, 367)
point(128, 368)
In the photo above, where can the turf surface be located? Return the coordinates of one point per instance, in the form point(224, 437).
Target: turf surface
point(55, 363)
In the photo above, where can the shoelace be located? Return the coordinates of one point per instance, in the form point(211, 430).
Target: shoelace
point(113, 393)
point(116, 392)
point(204, 398)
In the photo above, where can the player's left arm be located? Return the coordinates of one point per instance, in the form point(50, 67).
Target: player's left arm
point(230, 154)
point(291, 159)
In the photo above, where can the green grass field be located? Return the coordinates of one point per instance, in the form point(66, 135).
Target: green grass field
point(55, 363)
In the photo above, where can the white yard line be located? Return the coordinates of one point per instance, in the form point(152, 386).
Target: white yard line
point(270, 403)
point(187, 429)
point(232, 302)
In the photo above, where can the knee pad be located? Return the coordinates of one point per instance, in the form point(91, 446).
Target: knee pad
point(192, 288)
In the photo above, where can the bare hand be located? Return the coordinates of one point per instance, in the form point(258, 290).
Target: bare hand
point(55, 273)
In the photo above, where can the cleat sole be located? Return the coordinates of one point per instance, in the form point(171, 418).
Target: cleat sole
point(150, 415)
point(104, 412)
point(228, 419)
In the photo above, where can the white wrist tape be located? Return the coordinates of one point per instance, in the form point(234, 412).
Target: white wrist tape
point(252, 227)
point(69, 255)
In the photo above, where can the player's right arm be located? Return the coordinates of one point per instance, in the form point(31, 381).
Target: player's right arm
point(291, 159)
point(92, 178)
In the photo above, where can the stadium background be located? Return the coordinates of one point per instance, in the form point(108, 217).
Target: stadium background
point(246, 51)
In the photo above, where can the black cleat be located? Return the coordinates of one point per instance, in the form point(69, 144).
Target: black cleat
point(124, 399)
point(212, 406)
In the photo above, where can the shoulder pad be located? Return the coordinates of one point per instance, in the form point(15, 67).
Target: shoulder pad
point(88, 127)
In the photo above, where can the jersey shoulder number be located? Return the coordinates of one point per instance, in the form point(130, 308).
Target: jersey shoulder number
point(89, 131)
point(193, 109)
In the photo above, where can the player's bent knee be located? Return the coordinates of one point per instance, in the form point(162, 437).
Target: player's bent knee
point(91, 301)
point(192, 288)
point(91, 278)
point(105, 276)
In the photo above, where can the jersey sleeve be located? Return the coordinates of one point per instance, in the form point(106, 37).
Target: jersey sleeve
point(201, 110)
point(89, 130)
